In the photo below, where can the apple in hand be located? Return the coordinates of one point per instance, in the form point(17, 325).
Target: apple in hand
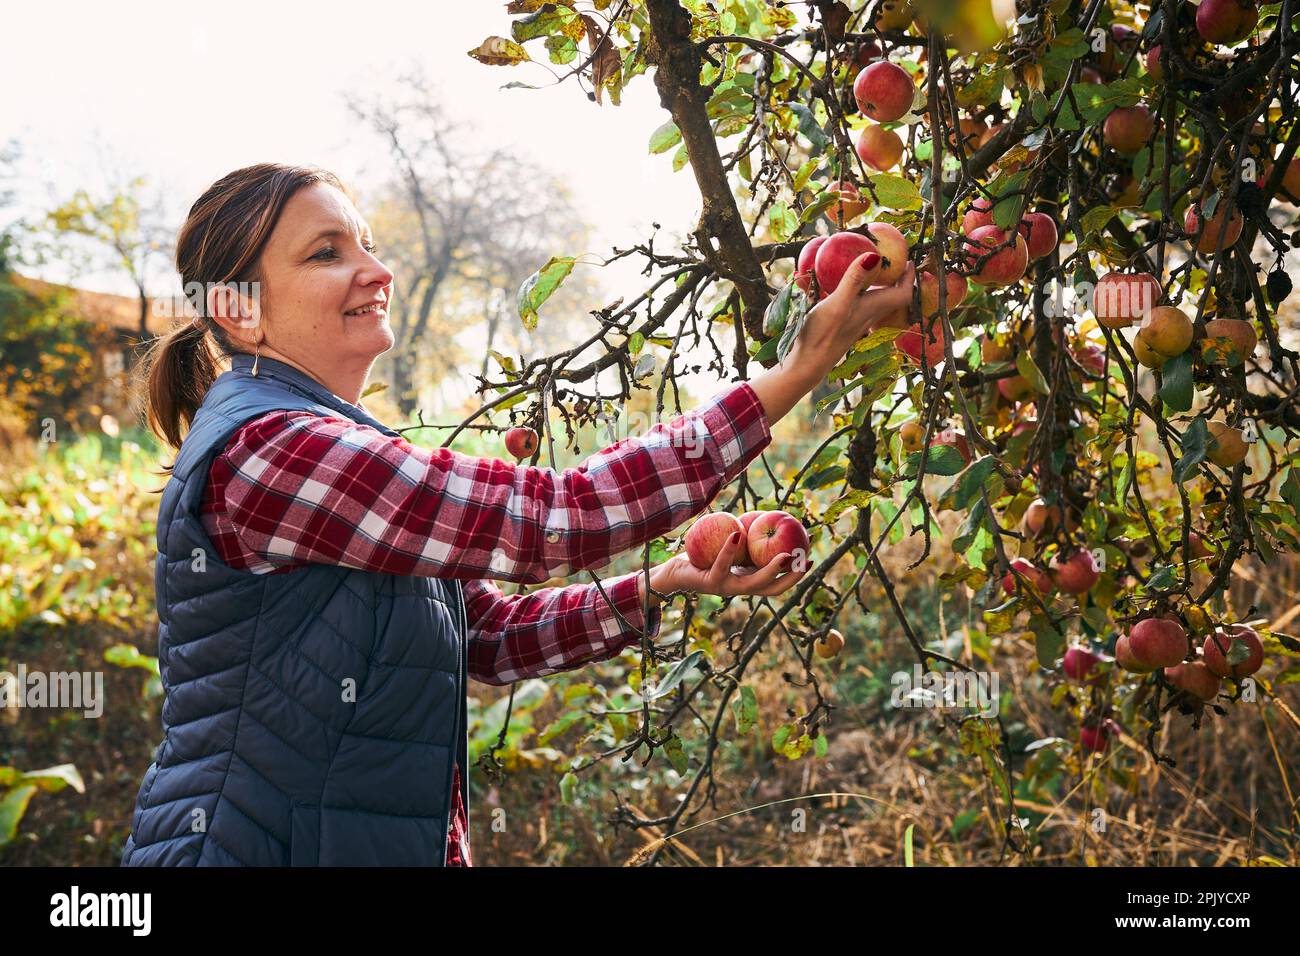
point(706, 538)
point(774, 533)
point(836, 254)
point(521, 442)
point(892, 246)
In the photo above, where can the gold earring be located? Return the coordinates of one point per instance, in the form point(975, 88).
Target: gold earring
point(257, 355)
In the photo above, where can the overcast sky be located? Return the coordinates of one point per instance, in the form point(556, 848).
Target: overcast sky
point(184, 94)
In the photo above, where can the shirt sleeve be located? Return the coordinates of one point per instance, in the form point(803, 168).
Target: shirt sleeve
point(306, 488)
point(552, 629)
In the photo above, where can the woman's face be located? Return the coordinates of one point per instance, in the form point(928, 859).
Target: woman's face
point(318, 266)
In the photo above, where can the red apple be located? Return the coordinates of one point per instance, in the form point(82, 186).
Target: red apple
point(836, 254)
point(1077, 573)
point(1124, 657)
point(892, 245)
point(1153, 63)
point(1157, 642)
point(1128, 128)
point(1030, 572)
point(521, 442)
point(849, 205)
point(1195, 678)
point(979, 213)
point(910, 344)
point(1080, 664)
point(1004, 267)
point(956, 286)
point(803, 273)
point(954, 439)
point(1039, 230)
point(1219, 645)
point(706, 538)
point(1209, 240)
point(1226, 21)
point(884, 91)
point(879, 148)
point(1227, 337)
point(1120, 298)
point(776, 532)
point(1094, 738)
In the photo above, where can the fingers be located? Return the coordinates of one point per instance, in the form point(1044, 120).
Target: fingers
point(721, 569)
point(891, 298)
point(766, 583)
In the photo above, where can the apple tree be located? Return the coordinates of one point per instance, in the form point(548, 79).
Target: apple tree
point(1095, 387)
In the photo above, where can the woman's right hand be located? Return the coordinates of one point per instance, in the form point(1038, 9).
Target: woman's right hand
point(830, 329)
point(853, 310)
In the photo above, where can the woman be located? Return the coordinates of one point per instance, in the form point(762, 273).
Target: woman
point(324, 587)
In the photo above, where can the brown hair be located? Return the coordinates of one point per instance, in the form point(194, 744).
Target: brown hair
point(222, 241)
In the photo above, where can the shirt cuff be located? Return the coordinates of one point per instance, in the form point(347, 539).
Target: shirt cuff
point(623, 593)
point(738, 424)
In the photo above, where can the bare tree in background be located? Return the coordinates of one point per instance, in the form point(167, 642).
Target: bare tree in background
point(462, 229)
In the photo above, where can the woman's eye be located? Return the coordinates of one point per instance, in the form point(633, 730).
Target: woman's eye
point(326, 253)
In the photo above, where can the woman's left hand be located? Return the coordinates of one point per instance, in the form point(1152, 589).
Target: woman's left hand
point(778, 576)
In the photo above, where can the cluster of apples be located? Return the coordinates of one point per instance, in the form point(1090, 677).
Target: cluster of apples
point(763, 535)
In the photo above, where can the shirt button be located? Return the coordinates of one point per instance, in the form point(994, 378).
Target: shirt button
point(552, 536)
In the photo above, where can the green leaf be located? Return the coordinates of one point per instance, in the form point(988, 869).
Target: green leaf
point(896, 192)
point(567, 783)
point(943, 460)
point(680, 158)
point(1196, 442)
point(907, 846)
point(781, 222)
point(1026, 366)
point(805, 172)
point(778, 310)
point(12, 807)
point(538, 287)
point(676, 755)
point(745, 708)
point(665, 138)
point(675, 675)
point(561, 49)
point(1049, 642)
point(809, 128)
point(1095, 220)
point(965, 490)
point(1176, 388)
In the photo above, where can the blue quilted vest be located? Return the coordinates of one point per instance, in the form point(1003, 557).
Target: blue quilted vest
point(311, 717)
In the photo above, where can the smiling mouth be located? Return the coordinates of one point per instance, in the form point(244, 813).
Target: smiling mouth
point(373, 308)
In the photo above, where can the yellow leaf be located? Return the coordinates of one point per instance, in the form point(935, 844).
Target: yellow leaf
point(498, 51)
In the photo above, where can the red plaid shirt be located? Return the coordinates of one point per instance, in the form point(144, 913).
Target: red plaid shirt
point(292, 488)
